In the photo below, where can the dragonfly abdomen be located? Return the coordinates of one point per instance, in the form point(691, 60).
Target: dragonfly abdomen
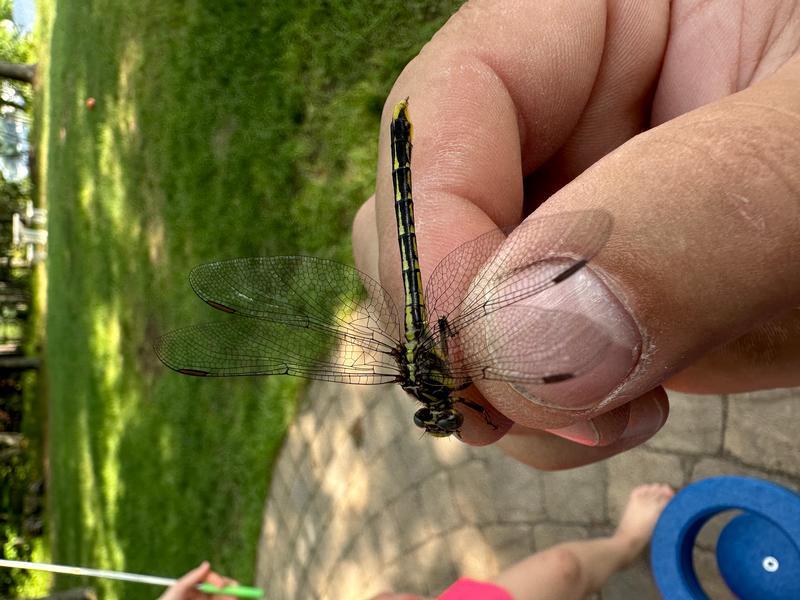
point(424, 370)
point(415, 317)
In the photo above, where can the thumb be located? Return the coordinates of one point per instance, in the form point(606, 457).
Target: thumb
point(704, 247)
point(192, 578)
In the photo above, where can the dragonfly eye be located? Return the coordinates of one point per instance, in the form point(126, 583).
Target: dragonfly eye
point(423, 418)
point(451, 421)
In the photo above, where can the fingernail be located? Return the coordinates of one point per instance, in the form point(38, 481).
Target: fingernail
point(580, 432)
point(644, 420)
point(585, 334)
point(599, 431)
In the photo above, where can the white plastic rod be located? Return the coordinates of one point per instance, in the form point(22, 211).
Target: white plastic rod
point(235, 590)
point(21, 564)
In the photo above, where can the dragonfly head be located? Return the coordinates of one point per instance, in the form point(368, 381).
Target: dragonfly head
point(439, 423)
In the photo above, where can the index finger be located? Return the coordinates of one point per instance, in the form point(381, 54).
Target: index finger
point(493, 97)
point(490, 104)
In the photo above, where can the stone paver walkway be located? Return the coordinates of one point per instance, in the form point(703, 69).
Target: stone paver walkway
point(361, 503)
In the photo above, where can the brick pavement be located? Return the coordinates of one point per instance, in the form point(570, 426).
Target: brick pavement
point(361, 503)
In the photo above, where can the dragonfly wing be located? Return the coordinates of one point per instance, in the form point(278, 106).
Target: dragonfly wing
point(450, 281)
point(257, 347)
point(492, 271)
point(528, 345)
point(474, 294)
point(302, 291)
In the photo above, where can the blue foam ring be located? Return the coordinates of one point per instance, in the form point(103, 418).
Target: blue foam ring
point(685, 515)
point(758, 560)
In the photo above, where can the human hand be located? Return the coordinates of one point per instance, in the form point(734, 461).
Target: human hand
point(185, 588)
point(689, 118)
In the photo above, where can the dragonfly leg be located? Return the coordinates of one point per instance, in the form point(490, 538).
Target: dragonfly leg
point(444, 333)
point(478, 409)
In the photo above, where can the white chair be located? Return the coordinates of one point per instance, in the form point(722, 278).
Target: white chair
point(34, 216)
point(29, 238)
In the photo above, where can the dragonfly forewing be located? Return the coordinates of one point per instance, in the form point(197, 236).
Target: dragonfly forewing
point(257, 347)
point(483, 274)
point(303, 291)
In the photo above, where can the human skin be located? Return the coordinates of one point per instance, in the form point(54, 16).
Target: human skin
point(572, 570)
point(682, 121)
point(185, 587)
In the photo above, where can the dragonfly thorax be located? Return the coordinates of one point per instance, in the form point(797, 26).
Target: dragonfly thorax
point(425, 378)
point(425, 375)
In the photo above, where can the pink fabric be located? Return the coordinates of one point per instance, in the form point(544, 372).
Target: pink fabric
point(469, 589)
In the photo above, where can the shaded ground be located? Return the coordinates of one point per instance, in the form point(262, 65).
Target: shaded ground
point(361, 504)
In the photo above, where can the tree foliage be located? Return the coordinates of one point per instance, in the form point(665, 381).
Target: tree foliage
point(15, 46)
point(20, 488)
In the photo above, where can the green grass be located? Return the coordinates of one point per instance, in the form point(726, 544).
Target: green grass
point(221, 129)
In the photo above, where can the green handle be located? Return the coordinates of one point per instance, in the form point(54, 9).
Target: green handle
point(237, 591)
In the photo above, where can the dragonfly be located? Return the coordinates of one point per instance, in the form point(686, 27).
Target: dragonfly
point(323, 320)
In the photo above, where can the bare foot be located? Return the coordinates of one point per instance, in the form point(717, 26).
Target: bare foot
point(641, 513)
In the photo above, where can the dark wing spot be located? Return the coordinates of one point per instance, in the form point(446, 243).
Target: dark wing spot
point(221, 307)
point(557, 377)
point(566, 273)
point(193, 372)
